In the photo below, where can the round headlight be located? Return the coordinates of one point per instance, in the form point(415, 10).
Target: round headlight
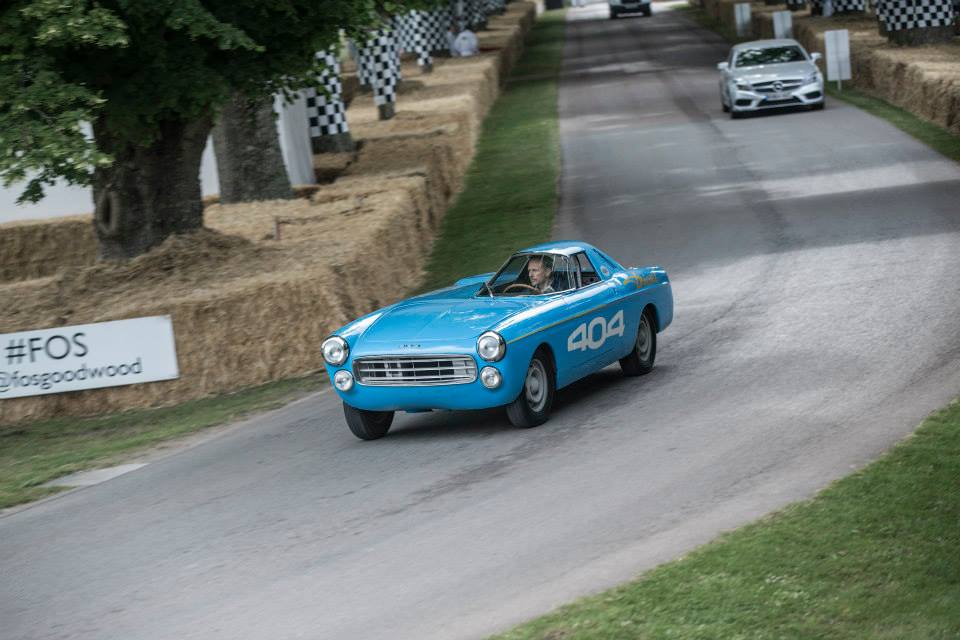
point(335, 350)
point(343, 380)
point(490, 377)
point(491, 346)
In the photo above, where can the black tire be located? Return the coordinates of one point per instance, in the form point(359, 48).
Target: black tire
point(648, 11)
point(735, 115)
point(532, 406)
point(723, 106)
point(819, 106)
point(367, 425)
point(613, 14)
point(640, 360)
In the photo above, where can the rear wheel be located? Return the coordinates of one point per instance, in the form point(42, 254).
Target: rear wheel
point(640, 361)
point(613, 14)
point(367, 425)
point(532, 406)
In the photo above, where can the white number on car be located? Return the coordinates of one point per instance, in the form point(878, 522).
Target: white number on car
point(592, 335)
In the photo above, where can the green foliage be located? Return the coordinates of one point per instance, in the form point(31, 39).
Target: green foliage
point(130, 65)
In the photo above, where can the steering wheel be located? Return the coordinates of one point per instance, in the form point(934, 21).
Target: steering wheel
point(520, 284)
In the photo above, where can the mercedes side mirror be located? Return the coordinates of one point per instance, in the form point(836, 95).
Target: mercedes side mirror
point(815, 56)
point(723, 66)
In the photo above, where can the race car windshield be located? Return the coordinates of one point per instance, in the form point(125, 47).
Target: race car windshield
point(532, 274)
point(770, 55)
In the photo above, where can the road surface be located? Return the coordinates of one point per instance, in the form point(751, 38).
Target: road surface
point(814, 258)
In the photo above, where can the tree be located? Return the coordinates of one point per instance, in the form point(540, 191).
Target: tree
point(249, 159)
point(150, 77)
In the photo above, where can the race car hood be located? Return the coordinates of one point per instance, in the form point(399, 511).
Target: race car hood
point(767, 73)
point(437, 321)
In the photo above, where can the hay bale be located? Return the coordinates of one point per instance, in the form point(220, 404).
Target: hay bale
point(38, 248)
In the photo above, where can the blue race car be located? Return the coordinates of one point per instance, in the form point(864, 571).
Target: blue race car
point(551, 315)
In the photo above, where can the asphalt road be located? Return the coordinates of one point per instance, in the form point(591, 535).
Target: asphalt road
point(815, 265)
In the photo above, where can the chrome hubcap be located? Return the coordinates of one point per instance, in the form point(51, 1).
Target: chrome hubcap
point(535, 386)
point(644, 339)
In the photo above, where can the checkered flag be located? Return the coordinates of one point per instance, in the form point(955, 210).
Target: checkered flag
point(796, 5)
point(849, 6)
point(381, 64)
point(326, 114)
point(915, 14)
point(435, 25)
point(410, 31)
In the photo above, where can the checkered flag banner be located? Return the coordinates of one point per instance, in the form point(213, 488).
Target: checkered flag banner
point(848, 6)
point(796, 5)
point(410, 31)
point(915, 14)
point(326, 113)
point(380, 63)
point(435, 25)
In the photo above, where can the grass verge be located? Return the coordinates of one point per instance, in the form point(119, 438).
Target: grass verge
point(508, 201)
point(32, 454)
point(510, 193)
point(873, 556)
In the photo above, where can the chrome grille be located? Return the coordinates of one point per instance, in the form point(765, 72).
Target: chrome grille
point(786, 86)
point(414, 371)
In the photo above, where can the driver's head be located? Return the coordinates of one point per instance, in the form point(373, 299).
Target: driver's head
point(538, 270)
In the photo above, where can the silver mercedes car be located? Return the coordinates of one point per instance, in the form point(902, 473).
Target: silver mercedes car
point(769, 74)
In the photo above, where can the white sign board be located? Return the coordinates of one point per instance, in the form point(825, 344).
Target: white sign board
point(741, 14)
point(87, 356)
point(782, 24)
point(838, 54)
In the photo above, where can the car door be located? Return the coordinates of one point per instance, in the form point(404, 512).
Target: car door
point(595, 322)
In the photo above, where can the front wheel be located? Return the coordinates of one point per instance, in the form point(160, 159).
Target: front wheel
point(532, 406)
point(648, 11)
point(640, 360)
point(819, 106)
point(367, 425)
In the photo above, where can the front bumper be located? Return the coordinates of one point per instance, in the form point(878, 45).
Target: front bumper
point(471, 395)
point(806, 95)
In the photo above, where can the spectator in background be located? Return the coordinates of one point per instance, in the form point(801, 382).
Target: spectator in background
point(463, 42)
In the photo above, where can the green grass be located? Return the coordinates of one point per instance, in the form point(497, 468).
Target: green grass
point(510, 193)
point(37, 452)
point(934, 136)
point(876, 556)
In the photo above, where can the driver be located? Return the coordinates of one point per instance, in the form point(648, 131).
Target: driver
point(539, 272)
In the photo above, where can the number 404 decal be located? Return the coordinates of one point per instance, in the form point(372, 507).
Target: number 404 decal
point(594, 334)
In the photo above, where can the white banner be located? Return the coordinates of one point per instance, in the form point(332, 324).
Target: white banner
point(87, 356)
point(838, 54)
point(782, 24)
point(741, 14)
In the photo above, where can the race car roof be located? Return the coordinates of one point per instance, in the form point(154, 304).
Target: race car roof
point(563, 247)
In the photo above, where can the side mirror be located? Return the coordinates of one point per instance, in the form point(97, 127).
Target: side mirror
point(815, 56)
point(723, 66)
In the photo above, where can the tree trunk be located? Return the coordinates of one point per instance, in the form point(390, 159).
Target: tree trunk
point(249, 159)
point(149, 192)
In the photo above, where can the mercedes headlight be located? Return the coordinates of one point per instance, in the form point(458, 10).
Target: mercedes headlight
point(335, 350)
point(743, 85)
point(812, 77)
point(491, 346)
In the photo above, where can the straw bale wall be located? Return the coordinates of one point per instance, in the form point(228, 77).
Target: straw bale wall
point(922, 80)
point(39, 248)
point(252, 296)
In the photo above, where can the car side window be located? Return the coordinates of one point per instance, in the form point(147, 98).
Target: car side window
point(588, 273)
